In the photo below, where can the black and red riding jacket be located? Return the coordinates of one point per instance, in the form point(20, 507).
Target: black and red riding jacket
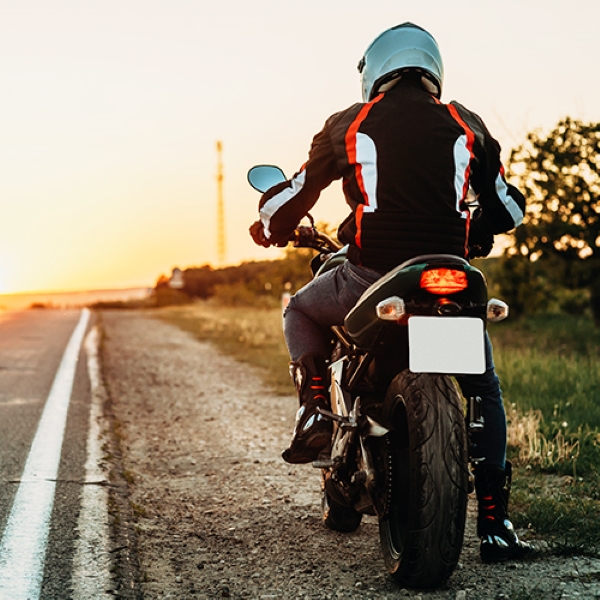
point(406, 161)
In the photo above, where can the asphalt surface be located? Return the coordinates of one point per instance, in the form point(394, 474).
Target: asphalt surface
point(32, 344)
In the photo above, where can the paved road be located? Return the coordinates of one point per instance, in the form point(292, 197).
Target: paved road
point(42, 363)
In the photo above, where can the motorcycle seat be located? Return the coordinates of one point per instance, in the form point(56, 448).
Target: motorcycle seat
point(431, 259)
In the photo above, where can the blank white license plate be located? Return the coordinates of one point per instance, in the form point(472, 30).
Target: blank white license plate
point(446, 345)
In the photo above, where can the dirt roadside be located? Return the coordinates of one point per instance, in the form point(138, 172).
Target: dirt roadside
point(219, 514)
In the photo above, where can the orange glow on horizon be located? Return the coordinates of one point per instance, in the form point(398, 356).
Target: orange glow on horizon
point(108, 130)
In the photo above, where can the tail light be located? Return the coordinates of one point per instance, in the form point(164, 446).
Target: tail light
point(443, 281)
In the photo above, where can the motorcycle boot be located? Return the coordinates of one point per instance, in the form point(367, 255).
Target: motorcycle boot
point(312, 431)
point(498, 540)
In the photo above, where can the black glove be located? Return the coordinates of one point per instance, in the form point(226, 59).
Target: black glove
point(481, 240)
point(257, 231)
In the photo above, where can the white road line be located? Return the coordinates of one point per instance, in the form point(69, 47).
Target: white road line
point(91, 566)
point(23, 548)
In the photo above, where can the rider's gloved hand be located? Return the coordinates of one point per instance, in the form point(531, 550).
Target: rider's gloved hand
point(257, 231)
point(481, 240)
point(482, 247)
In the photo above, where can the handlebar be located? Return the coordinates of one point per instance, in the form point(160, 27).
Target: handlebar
point(310, 237)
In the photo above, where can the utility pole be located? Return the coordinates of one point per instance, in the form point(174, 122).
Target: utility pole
point(221, 248)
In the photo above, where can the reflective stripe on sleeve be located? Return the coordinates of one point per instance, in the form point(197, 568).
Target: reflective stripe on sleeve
point(511, 206)
point(272, 205)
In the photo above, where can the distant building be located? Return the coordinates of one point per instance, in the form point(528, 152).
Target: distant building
point(177, 281)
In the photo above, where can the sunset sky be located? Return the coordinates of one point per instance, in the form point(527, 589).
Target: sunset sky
point(110, 111)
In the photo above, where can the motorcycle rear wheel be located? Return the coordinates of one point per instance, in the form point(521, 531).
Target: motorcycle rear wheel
point(426, 477)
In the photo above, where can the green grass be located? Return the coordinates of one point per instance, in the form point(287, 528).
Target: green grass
point(549, 368)
point(564, 511)
point(251, 335)
point(552, 364)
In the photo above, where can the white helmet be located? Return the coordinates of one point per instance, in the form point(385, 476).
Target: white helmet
point(399, 49)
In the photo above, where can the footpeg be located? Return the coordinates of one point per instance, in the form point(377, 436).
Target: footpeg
point(345, 422)
point(323, 463)
point(331, 416)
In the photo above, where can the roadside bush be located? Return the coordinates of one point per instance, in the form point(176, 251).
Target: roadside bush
point(523, 285)
point(165, 296)
point(573, 302)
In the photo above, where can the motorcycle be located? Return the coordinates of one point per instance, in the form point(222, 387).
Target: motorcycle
point(401, 447)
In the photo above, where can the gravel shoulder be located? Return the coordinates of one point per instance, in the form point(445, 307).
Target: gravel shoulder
point(217, 512)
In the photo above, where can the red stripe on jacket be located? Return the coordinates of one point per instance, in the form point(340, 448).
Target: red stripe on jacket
point(351, 151)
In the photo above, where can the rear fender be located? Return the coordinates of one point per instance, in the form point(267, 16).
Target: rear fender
point(366, 329)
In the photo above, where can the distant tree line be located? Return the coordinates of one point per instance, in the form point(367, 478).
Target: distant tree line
point(248, 283)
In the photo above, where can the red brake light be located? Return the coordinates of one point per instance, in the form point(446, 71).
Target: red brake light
point(443, 281)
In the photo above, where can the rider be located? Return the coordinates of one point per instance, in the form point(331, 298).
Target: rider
point(407, 162)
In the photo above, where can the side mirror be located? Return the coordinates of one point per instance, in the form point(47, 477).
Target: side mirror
point(264, 177)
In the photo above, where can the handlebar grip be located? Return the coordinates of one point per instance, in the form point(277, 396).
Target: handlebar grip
point(303, 234)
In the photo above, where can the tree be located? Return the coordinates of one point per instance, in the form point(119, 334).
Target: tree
point(560, 177)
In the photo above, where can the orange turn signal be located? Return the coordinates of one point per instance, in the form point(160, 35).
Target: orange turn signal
point(391, 309)
point(444, 281)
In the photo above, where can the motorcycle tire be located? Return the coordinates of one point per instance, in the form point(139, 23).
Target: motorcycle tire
point(337, 516)
point(426, 479)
